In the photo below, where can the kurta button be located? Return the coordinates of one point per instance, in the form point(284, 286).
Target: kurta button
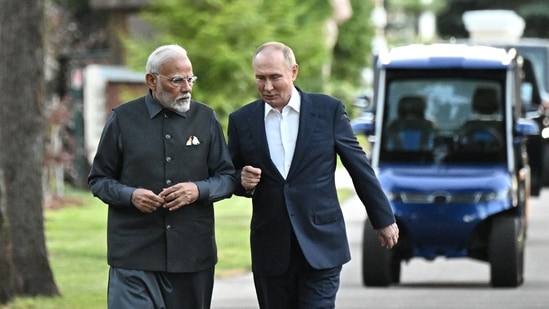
point(168, 227)
point(168, 159)
point(169, 182)
point(168, 136)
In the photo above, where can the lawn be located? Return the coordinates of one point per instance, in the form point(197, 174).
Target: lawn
point(76, 235)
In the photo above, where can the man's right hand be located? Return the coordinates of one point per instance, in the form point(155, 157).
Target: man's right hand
point(250, 177)
point(146, 201)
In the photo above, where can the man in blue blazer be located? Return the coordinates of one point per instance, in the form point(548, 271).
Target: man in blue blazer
point(285, 147)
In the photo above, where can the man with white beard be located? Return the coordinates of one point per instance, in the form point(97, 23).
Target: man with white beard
point(161, 163)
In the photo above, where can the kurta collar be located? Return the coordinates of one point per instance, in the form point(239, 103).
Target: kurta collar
point(155, 108)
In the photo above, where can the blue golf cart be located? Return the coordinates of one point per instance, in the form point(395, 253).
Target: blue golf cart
point(449, 147)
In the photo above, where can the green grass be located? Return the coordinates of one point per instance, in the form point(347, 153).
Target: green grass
point(76, 240)
point(232, 227)
point(76, 244)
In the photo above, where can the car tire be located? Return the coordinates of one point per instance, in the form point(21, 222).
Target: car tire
point(535, 185)
point(506, 251)
point(536, 160)
point(395, 270)
point(545, 155)
point(378, 269)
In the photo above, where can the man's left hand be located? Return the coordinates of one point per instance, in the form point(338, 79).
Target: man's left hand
point(388, 236)
point(179, 195)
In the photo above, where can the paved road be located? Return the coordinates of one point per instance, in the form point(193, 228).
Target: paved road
point(455, 283)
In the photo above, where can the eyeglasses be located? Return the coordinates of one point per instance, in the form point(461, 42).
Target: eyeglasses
point(177, 81)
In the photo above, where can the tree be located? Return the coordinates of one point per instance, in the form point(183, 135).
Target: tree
point(24, 264)
point(534, 12)
point(352, 52)
point(221, 37)
point(6, 283)
point(405, 19)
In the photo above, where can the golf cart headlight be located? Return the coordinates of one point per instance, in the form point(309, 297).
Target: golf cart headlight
point(501, 195)
point(545, 133)
point(393, 196)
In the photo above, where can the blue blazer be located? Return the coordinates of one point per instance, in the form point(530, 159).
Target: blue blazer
point(306, 201)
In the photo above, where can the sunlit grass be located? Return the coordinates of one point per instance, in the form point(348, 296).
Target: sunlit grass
point(76, 244)
point(232, 227)
point(76, 240)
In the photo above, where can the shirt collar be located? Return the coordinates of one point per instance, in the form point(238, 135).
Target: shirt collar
point(155, 108)
point(294, 103)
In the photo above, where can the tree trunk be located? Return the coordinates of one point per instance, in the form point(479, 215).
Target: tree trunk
point(6, 286)
point(22, 146)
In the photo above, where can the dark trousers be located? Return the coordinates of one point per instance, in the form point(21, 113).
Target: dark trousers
point(301, 287)
point(131, 289)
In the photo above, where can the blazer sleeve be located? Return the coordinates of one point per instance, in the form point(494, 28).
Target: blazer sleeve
point(365, 181)
point(236, 154)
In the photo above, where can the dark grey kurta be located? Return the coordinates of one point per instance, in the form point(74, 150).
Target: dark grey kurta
point(146, 146)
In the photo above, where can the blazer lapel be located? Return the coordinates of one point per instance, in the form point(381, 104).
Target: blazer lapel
point(256, 120)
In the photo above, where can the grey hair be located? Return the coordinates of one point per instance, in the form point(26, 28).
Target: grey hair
point(287, 52)
point(162, 54)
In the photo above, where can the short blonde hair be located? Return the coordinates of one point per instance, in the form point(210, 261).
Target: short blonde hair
point(287, 52)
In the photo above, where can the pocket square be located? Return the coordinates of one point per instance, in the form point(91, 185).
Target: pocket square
point(192, 140)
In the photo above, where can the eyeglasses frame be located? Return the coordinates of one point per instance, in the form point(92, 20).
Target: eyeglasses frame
point(177, 81)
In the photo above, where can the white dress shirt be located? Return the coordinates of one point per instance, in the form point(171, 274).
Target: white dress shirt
point(281, 130)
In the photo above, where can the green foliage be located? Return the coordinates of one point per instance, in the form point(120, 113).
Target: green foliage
point(415, 6)
point(221, 36)
point(75, 6)
point(534, 12)
point(536, 16)
point(352, 51)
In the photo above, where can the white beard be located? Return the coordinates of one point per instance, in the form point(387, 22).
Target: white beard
point(181, 107)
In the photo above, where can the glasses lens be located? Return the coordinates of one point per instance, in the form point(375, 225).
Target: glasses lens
point(178, 81)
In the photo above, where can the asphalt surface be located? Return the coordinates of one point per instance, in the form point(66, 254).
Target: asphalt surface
point(443, 283)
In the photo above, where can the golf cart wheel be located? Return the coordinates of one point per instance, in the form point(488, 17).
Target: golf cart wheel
point(545, 161)
point(378, 268)
point(395, 270)
point(506, 252)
